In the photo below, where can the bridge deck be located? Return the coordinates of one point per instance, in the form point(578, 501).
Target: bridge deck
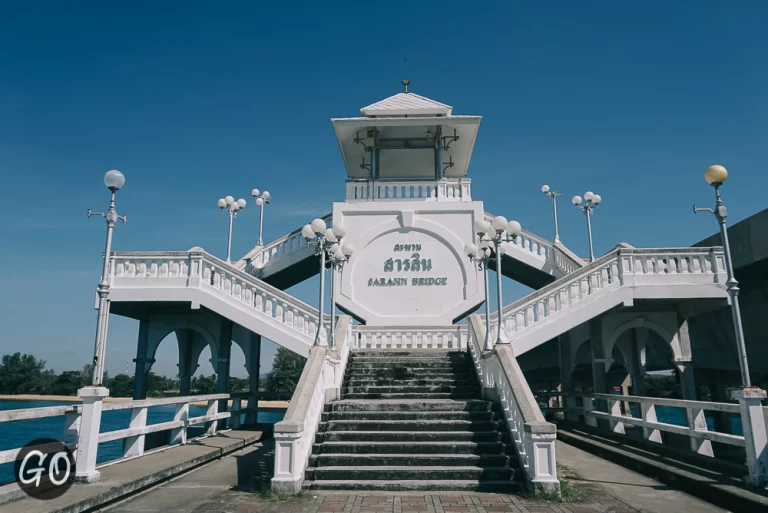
point(122, 479)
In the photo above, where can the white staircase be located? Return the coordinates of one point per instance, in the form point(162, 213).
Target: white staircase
point(621, 277)
point(200, 279)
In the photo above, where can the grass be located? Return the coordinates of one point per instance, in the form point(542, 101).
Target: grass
point(273, 496)
point(571, 490)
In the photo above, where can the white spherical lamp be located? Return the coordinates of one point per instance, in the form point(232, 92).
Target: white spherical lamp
point(265, 195)
point(499, 223)
point(329, 236)
point(714, 175)
point(596, 199)
point(307, 232)
point(241, 203)
point(576, 200)
point(545, 189)
point(229, 200)
point(222, 203)
point(588, 196)
point(470, 249)
point(318, 225)
point(255, 193)
point(348, 249)
point(514, 228)
point(482, 226)
point(259, 202)
point(339, 230)
point(114, 180)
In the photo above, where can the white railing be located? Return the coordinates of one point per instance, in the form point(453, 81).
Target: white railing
point(446, 189)
point(544, 250)
point(320, 383)
point(410, 337)
point(256, 259)
point(196, 269)
point(82, 422)
point(695, 429)
point(624, 266)
point(534, 437)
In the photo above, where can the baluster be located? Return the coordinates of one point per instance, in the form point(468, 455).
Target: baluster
point(259, 302)
point(279, 311)
point(519, 321)
point(698, 422)
point(268, 305)
point(529, 316)
point(648, 414)
point(551, 307)
point(583, 288)
point(539, 312)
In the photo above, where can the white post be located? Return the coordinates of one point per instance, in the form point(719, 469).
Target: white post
point(753, 423)
point(616, 426)
point(698, 422)
point(234, 420)
point(648, 414)
point(213, 409)
point(179, 435)
point(134, 445)
point(589, 406)
point(88, 438)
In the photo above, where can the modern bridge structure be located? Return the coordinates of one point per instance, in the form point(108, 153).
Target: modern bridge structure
point(408, 393)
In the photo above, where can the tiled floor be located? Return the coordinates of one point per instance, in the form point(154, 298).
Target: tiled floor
point(593, 500)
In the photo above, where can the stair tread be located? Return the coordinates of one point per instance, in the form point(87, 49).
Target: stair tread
point(412, 467)
point(462, 442)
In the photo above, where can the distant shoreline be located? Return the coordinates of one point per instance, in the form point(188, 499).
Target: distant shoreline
point(75, 399)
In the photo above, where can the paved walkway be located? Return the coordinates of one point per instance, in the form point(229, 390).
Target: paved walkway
point(228, 485)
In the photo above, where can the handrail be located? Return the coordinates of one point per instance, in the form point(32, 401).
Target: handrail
point(533, 436)
point(294, 435)
point(410, 337)
point(259, 250)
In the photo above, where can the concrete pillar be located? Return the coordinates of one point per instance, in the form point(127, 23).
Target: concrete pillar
point(566, 375)
point(685, 366)
point(755, 437)
point(143, 363)
point(637, 367)
point(599, 383)
point(222, 364)
point(191, 344)
point(88, 437)
point(254, 368)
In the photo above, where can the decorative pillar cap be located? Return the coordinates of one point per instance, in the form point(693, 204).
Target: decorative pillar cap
point(93, 391)
point(749, 393)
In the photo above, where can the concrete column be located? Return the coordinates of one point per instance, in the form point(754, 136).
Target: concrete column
point(222, 364)
point(756, 441)
point(191, 344)
point(88, 437)
point(637, 367)
point(566, 374)
point(599, 383)
point(143, 363)
point(687, 382)
point(254, 367)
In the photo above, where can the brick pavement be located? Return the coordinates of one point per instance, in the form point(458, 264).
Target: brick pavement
point(593, 500)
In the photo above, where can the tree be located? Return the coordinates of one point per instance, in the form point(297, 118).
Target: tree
point(204, 384)
point(238, 384)
point(22, 374)
point(67, 383)
point(286, 371)
point(120, 386)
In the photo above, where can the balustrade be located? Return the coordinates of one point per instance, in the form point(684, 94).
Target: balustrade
point(437, 337)
point(447, 189)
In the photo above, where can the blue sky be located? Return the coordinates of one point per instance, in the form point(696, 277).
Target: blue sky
point(194, 101)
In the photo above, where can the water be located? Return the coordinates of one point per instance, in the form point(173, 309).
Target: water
point(16, 434)
point(676, 416)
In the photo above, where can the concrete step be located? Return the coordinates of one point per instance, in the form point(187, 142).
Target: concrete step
point(408, 374)
point(410, 415)
point(411, 405)
point(407, 425)
point(407, 472)
point(390, 360)
point(416, 460)
point(430, 395)
point(449, 379)
point(412, 436)
point(410, 448)
point(386, 353)
point(502, 486)
point(400, 389)
point(409, 364)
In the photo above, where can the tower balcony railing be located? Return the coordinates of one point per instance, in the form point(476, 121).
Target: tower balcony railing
point(445, 189)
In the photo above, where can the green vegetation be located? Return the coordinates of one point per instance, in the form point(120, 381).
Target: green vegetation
point(26, 374)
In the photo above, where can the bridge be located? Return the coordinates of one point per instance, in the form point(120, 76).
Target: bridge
point(407, 391)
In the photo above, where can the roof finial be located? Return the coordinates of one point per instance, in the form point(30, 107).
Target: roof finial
point(406, 82)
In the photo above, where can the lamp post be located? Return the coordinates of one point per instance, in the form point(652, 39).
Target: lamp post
point(318, 234)
point(716, 176)
point(495, 231)
point(262, 198)
point(114, 180)
point(232, 207)
point(553, 196)
point(338, 255)
point(480, 254)
point(591, 202)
